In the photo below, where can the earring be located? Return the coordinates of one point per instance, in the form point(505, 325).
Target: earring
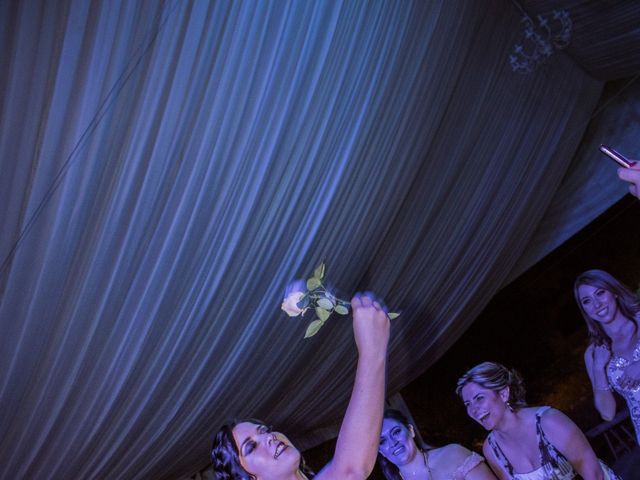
point(509, 405)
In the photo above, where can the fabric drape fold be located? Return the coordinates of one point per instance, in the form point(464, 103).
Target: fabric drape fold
point(168, 167)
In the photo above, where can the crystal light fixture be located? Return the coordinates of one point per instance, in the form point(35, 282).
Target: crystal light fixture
point(540, 40)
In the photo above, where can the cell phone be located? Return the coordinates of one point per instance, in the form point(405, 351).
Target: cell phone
point(616, 156)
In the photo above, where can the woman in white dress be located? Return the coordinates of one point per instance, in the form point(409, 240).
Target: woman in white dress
point(400, 456)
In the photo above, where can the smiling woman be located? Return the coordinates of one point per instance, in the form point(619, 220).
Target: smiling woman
point(401, 457)
point(250, 446)
point(525, 443)
point(612, 313)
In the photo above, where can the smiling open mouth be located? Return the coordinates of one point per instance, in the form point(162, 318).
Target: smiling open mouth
point(279, 449)
point(398, 450)
point(483, 417)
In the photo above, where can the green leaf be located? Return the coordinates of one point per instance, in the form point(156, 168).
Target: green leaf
point(393, 315)
point(319, 271)
point(325, 303)
point(342, 310)
point(313, 283)
point(322, 313)
point(313, 328)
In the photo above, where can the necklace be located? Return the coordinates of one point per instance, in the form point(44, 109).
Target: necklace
point(425, 458)
point(425, 454)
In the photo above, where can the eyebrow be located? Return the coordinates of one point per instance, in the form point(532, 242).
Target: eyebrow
point(472, 398)
point(596, 290)
point(258, 428)
point(243, 444)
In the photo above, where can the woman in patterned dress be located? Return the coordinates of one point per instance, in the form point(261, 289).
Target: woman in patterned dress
point(525, 443)
point(612, 313)
point(400, 457)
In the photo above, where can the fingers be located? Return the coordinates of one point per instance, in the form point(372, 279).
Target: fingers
point(371, 325)
point(623, 174)
point(367, 299)
point(631, 175)
point(361, 300)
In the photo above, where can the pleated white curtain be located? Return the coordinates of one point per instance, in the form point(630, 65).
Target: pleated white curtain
point(167, 167)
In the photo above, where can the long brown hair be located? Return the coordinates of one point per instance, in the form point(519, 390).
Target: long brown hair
point(389, 469)
point(226, 458)
point(627, 300)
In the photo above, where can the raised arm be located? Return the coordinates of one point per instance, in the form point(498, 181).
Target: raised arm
point(595, 360)
point(631, 175)
point(357, 444)
point(571, 442)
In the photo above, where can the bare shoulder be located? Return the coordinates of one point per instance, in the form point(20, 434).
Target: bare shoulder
point(490, 457)
point(530, 410)
point(528, 414)
point(553, 417)
point(556, 424)
point(485, 445)
point(487, 451)
point(451, 454)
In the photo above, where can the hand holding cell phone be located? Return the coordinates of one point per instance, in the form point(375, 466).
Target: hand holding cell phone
point(630, 171)
point(617, 156)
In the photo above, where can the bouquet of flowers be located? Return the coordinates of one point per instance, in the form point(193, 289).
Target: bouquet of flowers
point(312, 294)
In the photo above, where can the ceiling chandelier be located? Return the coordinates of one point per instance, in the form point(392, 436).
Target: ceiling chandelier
point(540, 40)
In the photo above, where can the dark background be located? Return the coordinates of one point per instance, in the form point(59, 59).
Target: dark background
point(534, 325)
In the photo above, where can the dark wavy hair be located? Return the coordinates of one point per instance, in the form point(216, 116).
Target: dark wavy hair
point(226, 458)
point(389, 469)
point(627, 300)
point(495, 376)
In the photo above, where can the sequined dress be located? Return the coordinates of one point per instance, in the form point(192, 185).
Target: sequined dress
point(631, 393)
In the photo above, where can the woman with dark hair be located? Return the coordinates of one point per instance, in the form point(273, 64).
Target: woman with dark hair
point(401, 457)
point(226, 453)
point(250, 450)
point(525, 443)
point(612, 313)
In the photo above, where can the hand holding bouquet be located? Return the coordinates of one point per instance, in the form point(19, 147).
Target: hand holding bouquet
point(312, 294)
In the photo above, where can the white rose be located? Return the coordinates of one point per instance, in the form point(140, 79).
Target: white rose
point(290, 304)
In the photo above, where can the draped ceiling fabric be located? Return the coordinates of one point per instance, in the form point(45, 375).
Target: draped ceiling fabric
point(168, 167)
point(605, 43)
